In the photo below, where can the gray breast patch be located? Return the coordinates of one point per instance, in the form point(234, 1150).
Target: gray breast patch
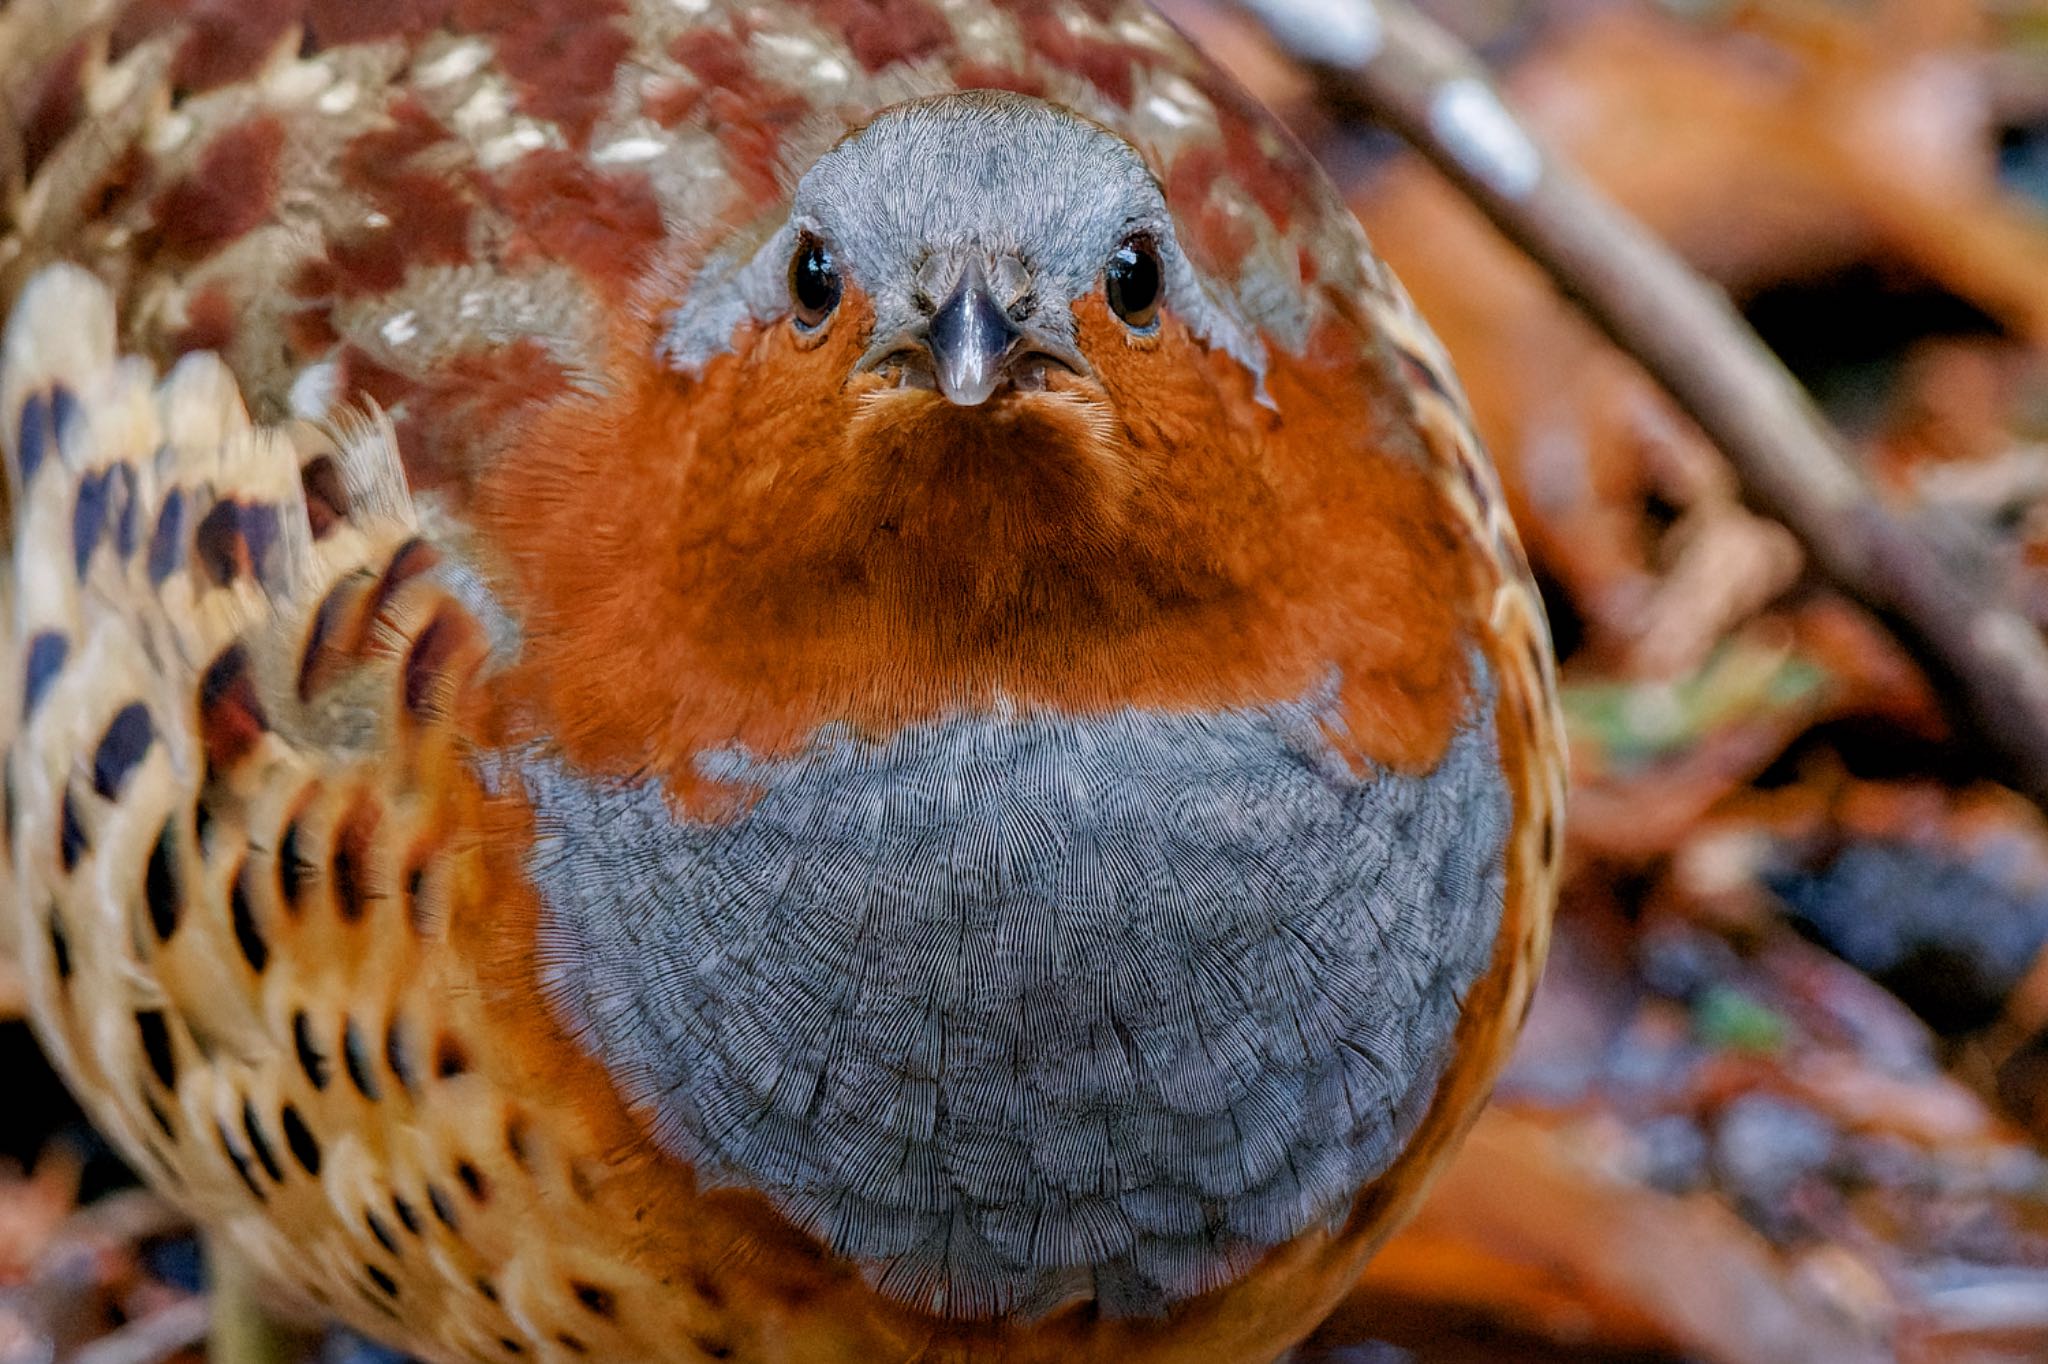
point(1012, 1008)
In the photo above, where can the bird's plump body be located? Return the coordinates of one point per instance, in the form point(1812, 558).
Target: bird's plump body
point(804, 681)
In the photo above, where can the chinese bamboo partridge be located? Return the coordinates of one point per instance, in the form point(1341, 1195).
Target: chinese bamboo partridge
point(813, 680)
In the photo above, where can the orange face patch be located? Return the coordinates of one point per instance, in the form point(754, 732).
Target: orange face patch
point(782, 544)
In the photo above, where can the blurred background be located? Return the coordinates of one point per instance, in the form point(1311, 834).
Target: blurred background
point(1784, 1094)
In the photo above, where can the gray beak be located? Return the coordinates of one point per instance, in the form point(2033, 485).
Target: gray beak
point(970, 339)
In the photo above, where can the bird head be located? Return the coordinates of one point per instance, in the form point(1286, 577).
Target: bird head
point(971, 226)
point(980, 302)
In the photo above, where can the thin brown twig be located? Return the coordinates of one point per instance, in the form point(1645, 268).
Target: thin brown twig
point(1930, 581)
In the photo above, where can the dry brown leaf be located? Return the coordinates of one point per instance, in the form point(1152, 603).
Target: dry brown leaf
point(1523, 1230)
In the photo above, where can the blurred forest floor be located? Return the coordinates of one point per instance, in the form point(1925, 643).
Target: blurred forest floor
point(1784, 1094)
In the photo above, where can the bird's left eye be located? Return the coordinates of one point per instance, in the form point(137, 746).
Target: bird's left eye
point(1133, 283)
point(814, 285)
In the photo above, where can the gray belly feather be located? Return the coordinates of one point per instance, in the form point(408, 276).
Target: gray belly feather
point(1010, 1008)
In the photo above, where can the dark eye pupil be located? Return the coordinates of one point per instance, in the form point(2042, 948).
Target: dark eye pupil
point(1132, 282)
point(813, 282)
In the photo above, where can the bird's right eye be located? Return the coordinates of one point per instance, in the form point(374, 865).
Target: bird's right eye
point(814, 285)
